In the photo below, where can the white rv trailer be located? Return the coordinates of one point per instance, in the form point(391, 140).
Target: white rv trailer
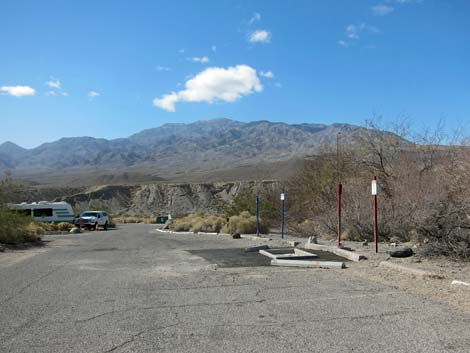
point(44, 211)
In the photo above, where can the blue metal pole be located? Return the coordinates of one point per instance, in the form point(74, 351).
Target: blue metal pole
point(257, 215)
point(282, 219)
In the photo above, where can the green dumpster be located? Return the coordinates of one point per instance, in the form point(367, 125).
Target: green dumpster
point(162, 219)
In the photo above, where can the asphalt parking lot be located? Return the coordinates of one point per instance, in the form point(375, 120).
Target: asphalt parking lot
point(135, 290)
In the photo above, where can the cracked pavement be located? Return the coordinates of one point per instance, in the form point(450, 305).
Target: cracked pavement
point(135, 290)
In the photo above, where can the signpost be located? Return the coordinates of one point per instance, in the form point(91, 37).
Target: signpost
point(374, 193)
point(257, 215)
point(282, 214)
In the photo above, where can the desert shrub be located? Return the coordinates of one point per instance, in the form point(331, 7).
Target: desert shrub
point(208, 224)
point(244, 223)
point(64, 226)
point(12, 227)
point(424, 191)
point(133, 219)
point(34, 229)
point(246, 201)
point(149, 220)
point(195, 223)
point(54, 226)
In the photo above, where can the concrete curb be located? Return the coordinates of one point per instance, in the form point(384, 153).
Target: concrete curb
point(462, 283)
point(307, 263)
point(167, 231)
point(409, 270)
point(253, 237)
point(356, 257)
point(303, 252)
point(257, 248)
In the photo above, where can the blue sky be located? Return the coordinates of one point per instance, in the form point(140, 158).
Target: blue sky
point(112, 68)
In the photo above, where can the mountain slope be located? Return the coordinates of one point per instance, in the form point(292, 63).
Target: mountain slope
point(180, 149)
point(10, 153)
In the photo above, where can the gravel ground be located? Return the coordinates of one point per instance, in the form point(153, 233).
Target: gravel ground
point(136, 290)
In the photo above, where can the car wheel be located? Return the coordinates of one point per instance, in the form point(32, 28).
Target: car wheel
point(95, 226)
point(105, 227)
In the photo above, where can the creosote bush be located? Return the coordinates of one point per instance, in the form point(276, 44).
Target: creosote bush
point(424, 190)
point(15, 228)
point(243, 223)
point(133, 219)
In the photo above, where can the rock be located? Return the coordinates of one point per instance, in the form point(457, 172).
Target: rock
point(75, 230)
point(294, 243)
point(395, 240)
point(365, 243)
point(401, 252)
point(2, 248)
point(394, 244)
point(236, 236)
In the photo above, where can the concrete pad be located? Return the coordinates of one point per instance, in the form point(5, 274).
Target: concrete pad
point(286, 256)
point(257, 248)
point(340, 252)
point(305, 263)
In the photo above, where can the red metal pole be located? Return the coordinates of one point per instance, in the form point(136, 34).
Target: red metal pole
point(340, 190)
point(376, 241)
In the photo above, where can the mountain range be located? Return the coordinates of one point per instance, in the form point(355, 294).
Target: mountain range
point(175, 151)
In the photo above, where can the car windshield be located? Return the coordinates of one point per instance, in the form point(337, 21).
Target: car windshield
point(89, 214)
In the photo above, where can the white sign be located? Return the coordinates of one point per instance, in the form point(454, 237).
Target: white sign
point(374, 187)
point(282, 196)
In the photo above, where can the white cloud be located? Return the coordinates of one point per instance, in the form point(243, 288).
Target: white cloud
point(65, 94)
point(278, 85)
point(354, 31)
point(50, 93)
point(212, 85)
point(202, 59)
point(93, 94)
point(260, 36)
point(409, 1)
point(267, 74)
point(54, 84)
point(255, 18)
point(343, 43)
point(18, 91)
point(162, 68)
point(214, 48)
point(181, 51)
point(382, 10)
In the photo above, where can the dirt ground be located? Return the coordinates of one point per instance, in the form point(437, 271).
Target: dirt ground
point(438, 288)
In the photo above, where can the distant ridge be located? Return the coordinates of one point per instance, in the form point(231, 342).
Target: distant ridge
point(176, 148)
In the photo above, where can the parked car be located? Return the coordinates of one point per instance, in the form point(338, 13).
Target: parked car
point(45, 211)
point(92, 220)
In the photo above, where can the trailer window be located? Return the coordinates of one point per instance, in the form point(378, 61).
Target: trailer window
point(42, 212)
point(25, 212)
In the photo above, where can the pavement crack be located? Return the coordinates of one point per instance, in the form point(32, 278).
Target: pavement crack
point(102, 314)
point(122, 344)
point(48, 273)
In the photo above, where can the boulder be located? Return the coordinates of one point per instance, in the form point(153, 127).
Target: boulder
point(236, 236)
point(75, 230)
